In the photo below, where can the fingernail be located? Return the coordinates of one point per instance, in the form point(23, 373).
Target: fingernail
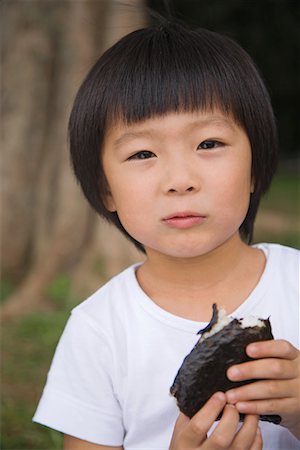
point(231, 396)
point(242, 407)
point(220, 396)
point(233, 372)
point(252, 349)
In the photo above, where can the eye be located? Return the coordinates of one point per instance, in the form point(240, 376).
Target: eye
point(143, 154)
point(209, 144)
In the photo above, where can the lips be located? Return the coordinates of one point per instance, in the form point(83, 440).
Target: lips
point(185, 219)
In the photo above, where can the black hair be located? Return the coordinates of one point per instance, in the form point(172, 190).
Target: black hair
point(168, 68)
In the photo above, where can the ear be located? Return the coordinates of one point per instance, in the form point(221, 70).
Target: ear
point(109, 202)
point(252, 186)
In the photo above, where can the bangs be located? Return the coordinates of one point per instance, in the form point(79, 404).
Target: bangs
point(158, 73)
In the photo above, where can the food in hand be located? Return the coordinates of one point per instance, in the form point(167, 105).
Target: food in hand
point(222, 344)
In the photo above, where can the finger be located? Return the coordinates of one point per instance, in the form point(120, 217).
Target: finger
point(263, 390)
point(182, 420)
point(181, 423)
point(258, 441)
point(247, 437)
point(224, 433)
point(273, 368)
point(196, 431)
point(274, 348)
point(271, 406)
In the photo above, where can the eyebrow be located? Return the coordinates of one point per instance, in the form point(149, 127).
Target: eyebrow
point(129, 135)
point(215, 121)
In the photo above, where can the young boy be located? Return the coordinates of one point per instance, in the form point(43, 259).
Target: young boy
point(173, 140)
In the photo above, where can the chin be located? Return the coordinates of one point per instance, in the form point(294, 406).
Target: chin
point(188, 252)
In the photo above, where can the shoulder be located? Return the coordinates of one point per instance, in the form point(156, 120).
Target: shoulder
point(279, 294)
point(279, 249)
point(281, 256)
point(101, 321)
point(110, 302)
point(281, 274)
point(284, 264)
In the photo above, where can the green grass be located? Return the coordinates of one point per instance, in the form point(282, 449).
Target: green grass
point(281, 208)
point(6, 288)
point(28, 345)
point(284, 195)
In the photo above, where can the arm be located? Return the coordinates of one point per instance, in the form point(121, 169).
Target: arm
point(72, 443)
point(277, 368)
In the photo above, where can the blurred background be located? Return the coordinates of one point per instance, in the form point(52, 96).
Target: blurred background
point(55, 251)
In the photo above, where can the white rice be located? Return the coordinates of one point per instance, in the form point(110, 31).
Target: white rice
point(223, 320)
point(251, 321)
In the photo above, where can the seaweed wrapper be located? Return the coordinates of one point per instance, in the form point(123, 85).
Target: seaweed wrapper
point(203, 371)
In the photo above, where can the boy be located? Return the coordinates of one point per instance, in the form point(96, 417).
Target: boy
point(173, 140)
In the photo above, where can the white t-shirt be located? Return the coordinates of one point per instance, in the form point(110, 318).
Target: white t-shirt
point(119, 353)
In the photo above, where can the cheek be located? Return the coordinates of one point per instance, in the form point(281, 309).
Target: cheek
point(120, 191)
point(130, 191)
point(134, 206)
point(238, 200)
point(234, 189)
point(130, 202)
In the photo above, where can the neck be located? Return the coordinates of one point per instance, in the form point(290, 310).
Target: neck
point(188, 286)
point(203, 270)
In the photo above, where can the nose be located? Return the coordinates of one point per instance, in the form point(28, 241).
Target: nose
point(181, 178)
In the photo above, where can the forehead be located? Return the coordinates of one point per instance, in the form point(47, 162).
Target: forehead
point(173, 122)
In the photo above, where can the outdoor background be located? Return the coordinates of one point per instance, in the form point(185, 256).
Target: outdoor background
point(54, 250)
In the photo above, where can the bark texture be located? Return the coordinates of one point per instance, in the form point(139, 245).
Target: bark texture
point(47, 226)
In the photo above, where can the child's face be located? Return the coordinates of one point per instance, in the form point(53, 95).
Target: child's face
point(180, 183)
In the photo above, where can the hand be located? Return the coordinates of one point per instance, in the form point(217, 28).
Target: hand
point(191, 434)
point(277, 366)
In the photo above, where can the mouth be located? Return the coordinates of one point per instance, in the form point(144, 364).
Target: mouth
point(184, 219)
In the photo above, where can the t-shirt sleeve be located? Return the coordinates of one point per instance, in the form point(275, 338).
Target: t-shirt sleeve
point(79, 398)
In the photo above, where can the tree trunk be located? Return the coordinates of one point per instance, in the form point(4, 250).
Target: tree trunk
point(47, 226)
